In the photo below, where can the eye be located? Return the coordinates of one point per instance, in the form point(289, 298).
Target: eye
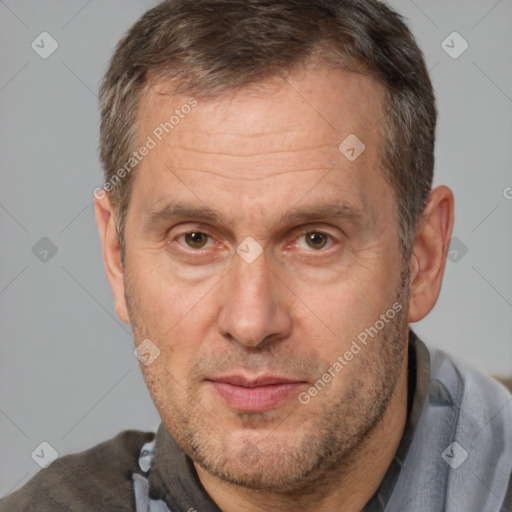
point(315, 240)
point(196, 239)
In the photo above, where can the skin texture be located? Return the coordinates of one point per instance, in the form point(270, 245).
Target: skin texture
point(253, 157)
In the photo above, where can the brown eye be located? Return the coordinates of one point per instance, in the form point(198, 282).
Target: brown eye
point(196, 240)
point(316, 240)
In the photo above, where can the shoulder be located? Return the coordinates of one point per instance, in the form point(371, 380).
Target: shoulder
point(483, 408)
point(482, 426)
point(99, 478)
point(479, 397)
point(476, 385)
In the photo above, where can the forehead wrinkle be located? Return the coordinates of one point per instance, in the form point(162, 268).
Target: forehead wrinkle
point(265, 152)
point(239, 133)
point(243, 178)
point(326, 161)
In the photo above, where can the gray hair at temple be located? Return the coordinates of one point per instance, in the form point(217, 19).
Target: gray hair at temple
point(209, 47)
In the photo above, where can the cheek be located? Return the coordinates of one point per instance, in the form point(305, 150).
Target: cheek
point(343, 313)
point(164, 304)
point(345, 308)
point(165, 386)
point(178, 321)
point(167, 377)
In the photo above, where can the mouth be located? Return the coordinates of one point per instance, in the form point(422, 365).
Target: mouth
point(255, 395)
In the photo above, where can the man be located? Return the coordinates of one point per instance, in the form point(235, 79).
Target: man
point(269, 231)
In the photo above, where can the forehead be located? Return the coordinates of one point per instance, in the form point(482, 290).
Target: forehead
point(282, 130)
point(318, 99)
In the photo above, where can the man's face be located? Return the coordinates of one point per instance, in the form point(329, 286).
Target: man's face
point(244, 336)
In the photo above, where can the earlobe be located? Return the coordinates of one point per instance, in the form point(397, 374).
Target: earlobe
point(429, 253)
point(106, 221)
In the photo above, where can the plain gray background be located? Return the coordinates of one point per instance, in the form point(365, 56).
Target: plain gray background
point(68, 376)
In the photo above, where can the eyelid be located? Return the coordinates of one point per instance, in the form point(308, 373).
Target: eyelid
point(184, 228)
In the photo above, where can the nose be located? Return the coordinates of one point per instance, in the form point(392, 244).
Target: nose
point(253, 311)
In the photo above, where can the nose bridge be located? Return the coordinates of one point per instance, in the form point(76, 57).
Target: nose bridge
point(252, 281)
point(252, 309)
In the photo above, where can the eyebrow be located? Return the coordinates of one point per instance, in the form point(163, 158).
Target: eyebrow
point(179, 211)
point(325, 211)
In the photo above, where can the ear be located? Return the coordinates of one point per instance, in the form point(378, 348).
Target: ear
point(106, 220)
point(430, 250)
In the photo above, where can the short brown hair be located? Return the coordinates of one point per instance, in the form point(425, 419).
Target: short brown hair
point(212, 46)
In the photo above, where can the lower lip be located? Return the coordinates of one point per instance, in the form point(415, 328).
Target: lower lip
point(258, 399)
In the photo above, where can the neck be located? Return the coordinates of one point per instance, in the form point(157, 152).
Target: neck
point(348, 489)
